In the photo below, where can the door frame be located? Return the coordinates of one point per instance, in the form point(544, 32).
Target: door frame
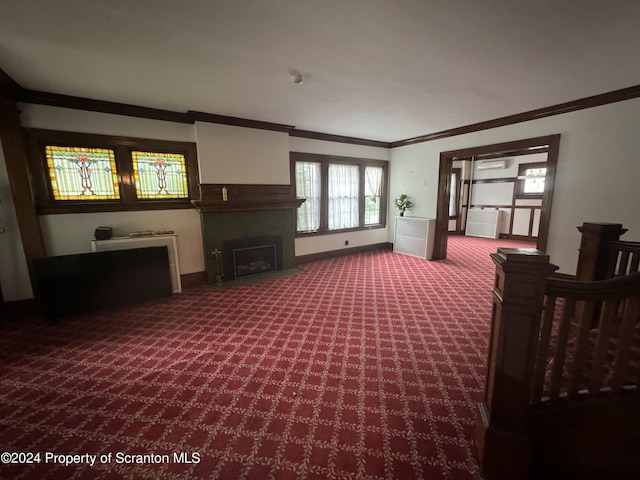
point(517, 147)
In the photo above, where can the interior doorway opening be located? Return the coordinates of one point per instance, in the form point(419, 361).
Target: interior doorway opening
point(550, 144)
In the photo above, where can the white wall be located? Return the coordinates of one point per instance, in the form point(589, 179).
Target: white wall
point(324, 243)
point(14, 276)
point(597, 177)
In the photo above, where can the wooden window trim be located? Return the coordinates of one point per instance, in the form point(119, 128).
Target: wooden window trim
point(518, 191)
point(324, 161)
point(122, 146)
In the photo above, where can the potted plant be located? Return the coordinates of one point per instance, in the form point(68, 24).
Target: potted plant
point(402, 203)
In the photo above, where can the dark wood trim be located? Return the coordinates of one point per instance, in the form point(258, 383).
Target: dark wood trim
point(510, 236)
point(563, 276)
point(9, 88)
point(567, 107)
point(122, 146)
point(444, 180)
point(338, 138)
point(193, 279)
point(516, 153)
point(314, 257)
point(595, 256)
point(101, 106)
point(245, 197)
point(238, 122)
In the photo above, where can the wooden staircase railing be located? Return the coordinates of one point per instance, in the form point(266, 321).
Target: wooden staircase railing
point(553, 342)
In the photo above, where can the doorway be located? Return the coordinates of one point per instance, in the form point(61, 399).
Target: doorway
point(519, 147)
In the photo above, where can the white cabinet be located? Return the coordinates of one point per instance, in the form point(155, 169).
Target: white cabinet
point(124, 243)
point(414, 236)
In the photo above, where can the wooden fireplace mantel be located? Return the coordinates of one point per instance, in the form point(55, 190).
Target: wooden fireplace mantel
point(245, 197)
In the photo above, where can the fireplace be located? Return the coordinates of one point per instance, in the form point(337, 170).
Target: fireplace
point(251, 256)
point(250, 220)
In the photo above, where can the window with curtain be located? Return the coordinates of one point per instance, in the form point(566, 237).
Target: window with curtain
point(308, 186)
point(342, 193)
point(372, 194)
point(344, 184)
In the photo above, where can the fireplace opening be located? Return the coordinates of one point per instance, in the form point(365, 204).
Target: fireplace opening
point(254, 260)
point(251, 256)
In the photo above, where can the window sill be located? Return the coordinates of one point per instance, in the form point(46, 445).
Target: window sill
point(343, 230)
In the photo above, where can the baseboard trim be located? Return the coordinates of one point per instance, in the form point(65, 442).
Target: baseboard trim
point(524, 238)
point(19, 308)
point(563, 276)
point(193, 279)
point(314, 257)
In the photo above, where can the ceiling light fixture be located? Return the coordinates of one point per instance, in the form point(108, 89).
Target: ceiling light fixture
point(296, 77)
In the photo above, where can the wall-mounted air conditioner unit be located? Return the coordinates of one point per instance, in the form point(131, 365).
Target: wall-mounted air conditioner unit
point(495, 165)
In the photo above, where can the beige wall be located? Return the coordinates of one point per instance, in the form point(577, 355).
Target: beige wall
point(597, 178)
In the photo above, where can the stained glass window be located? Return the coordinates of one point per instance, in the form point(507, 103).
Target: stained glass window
point(160, 175)
point(78, 173)
point(534, 180)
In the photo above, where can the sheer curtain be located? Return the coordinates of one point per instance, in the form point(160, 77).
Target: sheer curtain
point(343, 196)
point(372, 192)
point(308, 186)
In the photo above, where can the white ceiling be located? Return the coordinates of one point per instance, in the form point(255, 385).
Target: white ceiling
point(377, 69)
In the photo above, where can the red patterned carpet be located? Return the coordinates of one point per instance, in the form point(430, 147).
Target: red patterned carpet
point(363, 367)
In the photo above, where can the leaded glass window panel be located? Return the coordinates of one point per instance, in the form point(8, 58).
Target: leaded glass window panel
point(160, 175)
point(78, 173)
point(534, 180)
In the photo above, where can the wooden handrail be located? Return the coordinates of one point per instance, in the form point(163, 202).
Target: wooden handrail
point(614, 288)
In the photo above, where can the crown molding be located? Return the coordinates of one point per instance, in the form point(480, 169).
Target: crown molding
point(102, 106)
point(567, 107)
point(338, 138)
point(11, 91)
point(238, 122)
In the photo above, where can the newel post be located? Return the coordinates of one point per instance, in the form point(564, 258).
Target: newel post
point(595, 259)
point(503, 448)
